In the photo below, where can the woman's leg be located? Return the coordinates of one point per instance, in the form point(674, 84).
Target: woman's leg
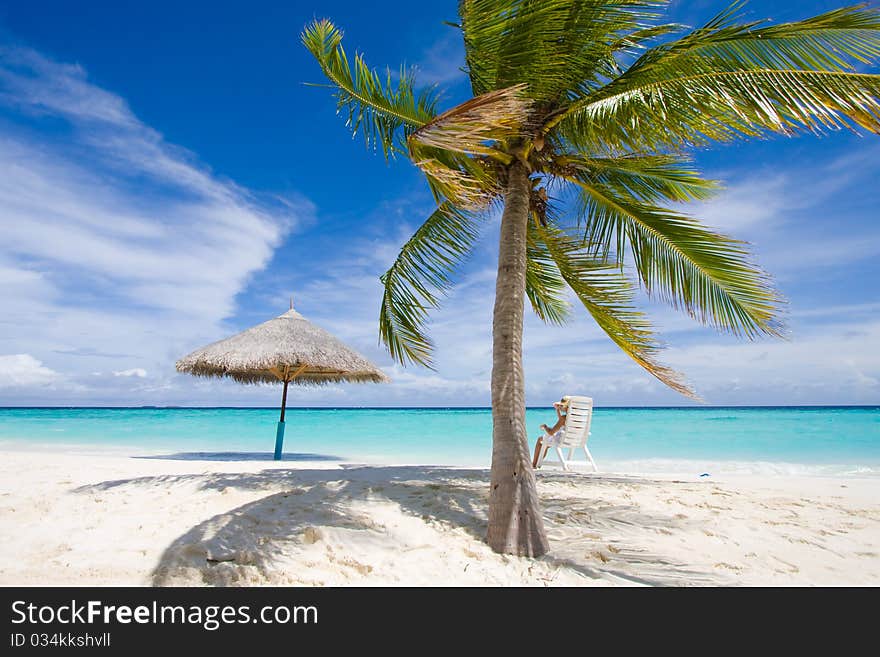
point(537, 452)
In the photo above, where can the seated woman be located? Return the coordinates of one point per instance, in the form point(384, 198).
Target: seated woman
point(554, 433)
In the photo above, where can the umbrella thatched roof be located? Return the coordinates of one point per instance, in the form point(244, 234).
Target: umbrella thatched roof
point(288, 346)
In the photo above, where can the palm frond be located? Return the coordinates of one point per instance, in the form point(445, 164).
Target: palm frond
point(608, 296)
point(557, 47)
point(831, 41)
point(442, 147)
point(472, 126)
point(635, 41)
point(417, 279)
point(650, 178)
point(630, 44)
point(545, 287)
point(467, 182)
point(727, 80)
point(680, 261)
point(693, 110)
point(386, 113)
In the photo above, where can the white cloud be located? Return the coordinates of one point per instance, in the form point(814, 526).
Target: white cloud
point(138, 372)
point(837, 362)
point(38, 84)
point(115, 202)
point(24, 371)
point(751, 202)
point(116, 244)
point(793, 215)
point(442, 61)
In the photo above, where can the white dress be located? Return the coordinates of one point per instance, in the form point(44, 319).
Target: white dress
point(554, 439)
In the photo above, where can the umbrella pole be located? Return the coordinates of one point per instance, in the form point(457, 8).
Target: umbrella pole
point(279, 435)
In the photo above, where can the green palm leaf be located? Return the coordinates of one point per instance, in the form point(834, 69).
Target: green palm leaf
point(386, 114)
point(696, 109)
point(545, 287)
point(632, 43)
point(829, 41)
point(682, 262)
point(557, 47)
point(727, 80)
point(608, 297)
point(651, 178)
point(421, 273)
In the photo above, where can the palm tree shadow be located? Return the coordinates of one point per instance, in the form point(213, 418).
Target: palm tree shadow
point(307, 514)
point(248, 544)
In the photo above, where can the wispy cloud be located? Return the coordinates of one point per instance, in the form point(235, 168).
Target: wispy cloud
point(138, 372)
point(442, 62)
point(795, 215)
point(112, 237)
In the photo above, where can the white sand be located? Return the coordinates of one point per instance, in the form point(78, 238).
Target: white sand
point(76, 519)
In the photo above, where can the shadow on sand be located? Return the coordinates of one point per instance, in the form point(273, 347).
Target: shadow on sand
point(251, 544)
point(240, 456)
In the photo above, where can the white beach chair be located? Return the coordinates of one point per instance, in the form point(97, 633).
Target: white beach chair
point(574, 435)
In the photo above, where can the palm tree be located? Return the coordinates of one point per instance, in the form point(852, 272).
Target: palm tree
point(582, 115)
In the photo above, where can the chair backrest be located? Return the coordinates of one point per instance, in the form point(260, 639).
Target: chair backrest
point(577, 421)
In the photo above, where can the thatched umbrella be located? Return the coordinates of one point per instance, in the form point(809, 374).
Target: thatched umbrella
point(287, 348)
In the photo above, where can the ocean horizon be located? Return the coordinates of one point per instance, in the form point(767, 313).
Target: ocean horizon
point(682, 440)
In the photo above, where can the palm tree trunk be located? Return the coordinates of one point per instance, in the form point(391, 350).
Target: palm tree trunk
point(515, 522)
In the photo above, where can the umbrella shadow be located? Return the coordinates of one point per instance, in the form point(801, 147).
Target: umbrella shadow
point(254, 543)
point(241, 456)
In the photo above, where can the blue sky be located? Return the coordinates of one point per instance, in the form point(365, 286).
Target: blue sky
point(166, 179)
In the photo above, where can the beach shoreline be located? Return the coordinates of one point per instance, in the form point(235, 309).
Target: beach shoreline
point(84, 519)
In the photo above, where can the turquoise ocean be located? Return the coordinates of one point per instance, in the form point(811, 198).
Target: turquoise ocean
point(780, 440)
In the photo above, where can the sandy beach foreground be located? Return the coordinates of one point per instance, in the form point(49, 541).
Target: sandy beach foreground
point(77, 519)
